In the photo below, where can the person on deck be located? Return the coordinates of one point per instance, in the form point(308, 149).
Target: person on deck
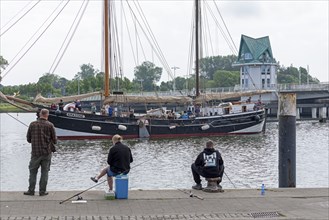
point(110, 111)
point(118, 159)
point(93, 108)
point(78, 106)
point(185, 115)
point(53, 106)
point(208, 164)
point(61, 105)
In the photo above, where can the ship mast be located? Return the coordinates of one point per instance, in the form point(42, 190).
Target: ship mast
point(197, 93)
point(106, 49)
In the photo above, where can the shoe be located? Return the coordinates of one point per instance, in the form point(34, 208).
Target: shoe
point(29, 193)
point(94, 179)
point(110, 191)
point(197, 187)
point(43, 193)
point(219, 186)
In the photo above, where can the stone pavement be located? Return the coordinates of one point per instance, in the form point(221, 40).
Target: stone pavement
point(282, 203)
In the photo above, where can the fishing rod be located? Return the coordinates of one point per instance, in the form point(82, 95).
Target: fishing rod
point(79, 198)
point(78, 194)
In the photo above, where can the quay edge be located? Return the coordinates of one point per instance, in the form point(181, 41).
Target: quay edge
point(286, 203)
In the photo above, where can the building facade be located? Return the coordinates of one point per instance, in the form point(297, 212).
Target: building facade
point(258, 68)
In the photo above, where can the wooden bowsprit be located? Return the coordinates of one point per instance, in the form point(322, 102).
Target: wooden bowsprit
point(78, 194)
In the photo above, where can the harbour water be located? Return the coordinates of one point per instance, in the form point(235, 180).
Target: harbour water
point(165, 164)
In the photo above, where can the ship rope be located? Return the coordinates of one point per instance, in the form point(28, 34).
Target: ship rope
point(69, 35)
point(35, 41)
point(19, 17)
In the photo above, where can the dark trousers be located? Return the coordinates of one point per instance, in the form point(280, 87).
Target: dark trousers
point(35, 163)
point(197, 172)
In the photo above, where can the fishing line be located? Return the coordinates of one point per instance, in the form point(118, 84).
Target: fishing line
point(229, 179)
point(17, 120)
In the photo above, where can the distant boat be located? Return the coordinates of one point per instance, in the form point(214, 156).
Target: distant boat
point(198, 119)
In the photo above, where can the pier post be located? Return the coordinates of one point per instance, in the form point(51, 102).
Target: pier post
point(287, 139)
point(314, 110)
point(298, 113)
point(323, 114)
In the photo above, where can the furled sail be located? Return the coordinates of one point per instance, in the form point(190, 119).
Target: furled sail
point(147, 99)
point(40, 99)
point(227, 95)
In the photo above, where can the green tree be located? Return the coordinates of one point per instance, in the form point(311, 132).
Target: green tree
point(3, 65)
point(223, 78)
point(48, 84)
point(209, 65)
point(123, 85)
point(166, 86)
point(180, 83)
point(99, 80)
point(293, 75)
point(61, 84)
point(119, 84)
point(87, 71)
point(147, 74)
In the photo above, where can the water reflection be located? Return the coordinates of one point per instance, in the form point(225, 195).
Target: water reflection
point(249, 160)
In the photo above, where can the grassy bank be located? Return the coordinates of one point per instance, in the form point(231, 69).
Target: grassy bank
point(5, 107)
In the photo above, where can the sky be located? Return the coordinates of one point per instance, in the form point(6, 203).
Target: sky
point(298, 32)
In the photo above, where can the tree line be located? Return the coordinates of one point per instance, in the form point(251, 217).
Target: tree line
point(215, 71)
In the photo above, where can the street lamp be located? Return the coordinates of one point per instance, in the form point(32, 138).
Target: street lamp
point(174, 83)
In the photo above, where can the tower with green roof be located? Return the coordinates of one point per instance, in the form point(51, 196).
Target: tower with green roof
point(257, 65)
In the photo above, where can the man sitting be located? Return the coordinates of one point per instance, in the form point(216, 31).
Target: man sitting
point(208, 164)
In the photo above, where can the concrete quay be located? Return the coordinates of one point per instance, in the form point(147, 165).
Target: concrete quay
point(278, 203)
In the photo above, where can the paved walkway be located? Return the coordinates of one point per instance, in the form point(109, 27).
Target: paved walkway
point(171, 204)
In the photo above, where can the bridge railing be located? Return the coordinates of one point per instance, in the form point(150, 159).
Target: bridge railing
point(303, 87)
point(238, 88)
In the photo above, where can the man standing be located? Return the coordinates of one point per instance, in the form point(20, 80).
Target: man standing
point(41, 134)
point(208, 164)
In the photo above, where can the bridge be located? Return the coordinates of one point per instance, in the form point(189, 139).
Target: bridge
point(312, 99)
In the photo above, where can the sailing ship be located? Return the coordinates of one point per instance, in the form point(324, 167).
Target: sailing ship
point(203, 119)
